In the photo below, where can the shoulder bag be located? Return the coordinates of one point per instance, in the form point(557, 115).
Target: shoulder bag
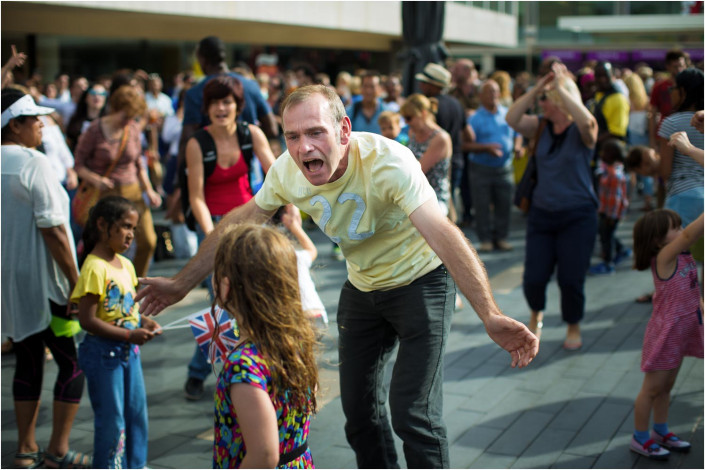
point(525, 187)
point(87, 195)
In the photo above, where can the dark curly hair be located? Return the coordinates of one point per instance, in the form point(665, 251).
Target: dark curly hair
point(111, 209)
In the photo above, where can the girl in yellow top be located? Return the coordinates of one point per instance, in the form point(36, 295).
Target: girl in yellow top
point(109, 355)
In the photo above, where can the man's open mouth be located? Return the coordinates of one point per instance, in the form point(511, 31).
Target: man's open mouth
point(313, 165)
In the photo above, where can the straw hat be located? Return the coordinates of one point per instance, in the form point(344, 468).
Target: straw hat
point(434, 74)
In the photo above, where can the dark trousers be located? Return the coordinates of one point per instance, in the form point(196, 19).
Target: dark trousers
point(562, 240)
point(29, 366)
point(611, 246)
point(492, 191)
point(461, 179)
point(370, 324)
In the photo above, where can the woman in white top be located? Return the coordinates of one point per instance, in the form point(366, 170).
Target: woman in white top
point(38, 273)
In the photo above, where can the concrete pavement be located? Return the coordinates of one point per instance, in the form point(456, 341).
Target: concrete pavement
point(566, 410)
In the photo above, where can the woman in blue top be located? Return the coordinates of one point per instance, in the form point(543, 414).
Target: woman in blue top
point(562, 220)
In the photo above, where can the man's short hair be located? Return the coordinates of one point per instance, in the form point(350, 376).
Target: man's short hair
point(676, 54)
point(337, 110)
point(212, 49)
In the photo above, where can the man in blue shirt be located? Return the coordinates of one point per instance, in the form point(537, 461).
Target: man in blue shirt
point(211, 57)
point(491, 176)
point(364, 114)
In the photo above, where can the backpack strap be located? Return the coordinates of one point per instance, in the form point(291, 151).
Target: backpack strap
point(208, 152)
point(244, 138)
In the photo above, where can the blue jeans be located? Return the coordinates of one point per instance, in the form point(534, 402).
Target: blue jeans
point(116, 388)
point(688, 204)
point(199, 368)
point(563, 240)
point(370, 324)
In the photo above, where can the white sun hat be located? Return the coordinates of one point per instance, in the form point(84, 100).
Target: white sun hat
point(24, 106)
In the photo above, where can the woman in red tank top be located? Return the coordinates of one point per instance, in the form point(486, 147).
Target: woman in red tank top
point(228, 186)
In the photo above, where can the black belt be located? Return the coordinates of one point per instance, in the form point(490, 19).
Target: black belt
point(293, 454)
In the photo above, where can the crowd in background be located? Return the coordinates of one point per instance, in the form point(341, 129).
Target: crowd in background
point(473, 132)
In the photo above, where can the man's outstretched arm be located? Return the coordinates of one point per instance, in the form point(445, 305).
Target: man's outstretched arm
point(157, 293)
point(469, 273)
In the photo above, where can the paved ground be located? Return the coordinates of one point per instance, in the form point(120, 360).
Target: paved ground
point(566, 410)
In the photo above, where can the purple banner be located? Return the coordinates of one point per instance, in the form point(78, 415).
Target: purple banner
point(611, 56)
point(564, 55)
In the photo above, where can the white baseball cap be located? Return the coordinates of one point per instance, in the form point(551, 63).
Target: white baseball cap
point(24, 106)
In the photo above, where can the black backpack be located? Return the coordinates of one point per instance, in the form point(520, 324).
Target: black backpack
point(210, 158)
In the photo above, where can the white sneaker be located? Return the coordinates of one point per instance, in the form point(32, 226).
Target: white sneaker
point(649, 449)
point(670, 441)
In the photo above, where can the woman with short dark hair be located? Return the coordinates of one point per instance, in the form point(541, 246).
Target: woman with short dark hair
point(228, 186)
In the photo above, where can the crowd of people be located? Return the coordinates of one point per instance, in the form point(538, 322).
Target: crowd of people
point(390, 180)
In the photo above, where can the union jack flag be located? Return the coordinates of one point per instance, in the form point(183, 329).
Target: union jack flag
point(203, 326)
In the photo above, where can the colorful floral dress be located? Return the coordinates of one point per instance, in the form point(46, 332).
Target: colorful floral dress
point(246, 365)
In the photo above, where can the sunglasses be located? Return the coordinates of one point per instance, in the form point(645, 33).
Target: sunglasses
point(98, 93)
point(407, 118)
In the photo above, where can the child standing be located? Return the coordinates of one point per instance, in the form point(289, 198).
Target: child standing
point(646, 163)
point(109, 355)
point(310, 301)
point(390, 126)
point(613, 205)
point(265, 394)
point(675, 329)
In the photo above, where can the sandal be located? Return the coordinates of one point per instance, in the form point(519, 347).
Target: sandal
point(539, 326)
point(72, 459)
point(37, 458)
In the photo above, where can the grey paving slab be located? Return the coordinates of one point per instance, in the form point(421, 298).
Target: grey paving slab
point(545, 449)
point(520, 434)
point(510, 408)
point(592, 439)
point(471, 445)
point(577, 411)
point(570, 460)
point(490, 460)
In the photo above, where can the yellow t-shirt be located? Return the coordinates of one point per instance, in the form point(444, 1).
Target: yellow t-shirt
point(366, 211)
point(115, 286)
point(616, 112)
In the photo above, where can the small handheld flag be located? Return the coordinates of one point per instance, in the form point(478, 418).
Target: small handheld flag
point(203, 325)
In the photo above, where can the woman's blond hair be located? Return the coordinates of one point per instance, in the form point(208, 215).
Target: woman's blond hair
point(260, 264)
point(417, 103)
point(504, 81)
point(571, 87)
point(637, 92)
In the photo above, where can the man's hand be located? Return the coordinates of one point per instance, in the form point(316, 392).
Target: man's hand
point(495, 149)
point(157, 294)
point(514, 337)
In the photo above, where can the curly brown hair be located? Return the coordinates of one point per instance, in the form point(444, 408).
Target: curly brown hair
point(128, 99)
point(260, 264)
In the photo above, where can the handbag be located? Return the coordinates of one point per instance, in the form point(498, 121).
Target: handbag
point(525, 187)
point(88, 195)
